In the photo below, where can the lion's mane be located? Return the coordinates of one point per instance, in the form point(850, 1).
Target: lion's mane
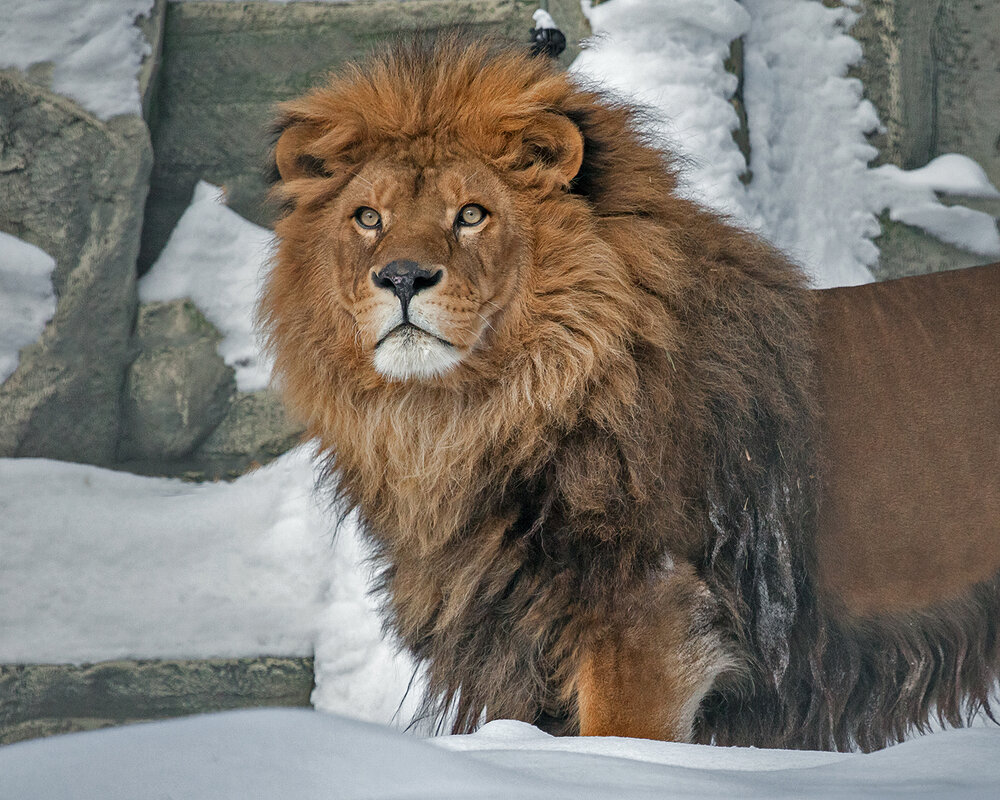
point(658, 403)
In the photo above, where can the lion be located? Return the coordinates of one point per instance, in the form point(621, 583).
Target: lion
point(578, 418)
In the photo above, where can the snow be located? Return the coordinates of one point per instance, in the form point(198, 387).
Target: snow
point(543, 20)
point(807, 124)
point(94, 46)
point(668, 56)
point(299, 753)
point(911, 197)
point(216, 258)
point(358, 672)
point(951, 173)
point(27, 299)
point(123, 566)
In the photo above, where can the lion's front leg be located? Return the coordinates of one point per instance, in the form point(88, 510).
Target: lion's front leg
point(646, 670)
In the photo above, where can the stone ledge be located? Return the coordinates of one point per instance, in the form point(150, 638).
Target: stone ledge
point(45, 699)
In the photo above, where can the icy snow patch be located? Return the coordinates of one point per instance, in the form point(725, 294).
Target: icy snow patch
point(951, 173)
point(358, 672)
point(94, 45)
point(543, 20)
point(27, 300)
point(217, 258)
point(102, 565)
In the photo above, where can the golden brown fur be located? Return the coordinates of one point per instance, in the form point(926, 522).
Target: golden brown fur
point(596, 508)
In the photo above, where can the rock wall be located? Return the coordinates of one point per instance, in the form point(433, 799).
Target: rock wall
point(932, 69)
point(143, 389)
point(45, 699)
point(74, 187)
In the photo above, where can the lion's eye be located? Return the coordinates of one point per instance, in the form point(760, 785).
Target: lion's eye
point(471, 215)
point(368, 218)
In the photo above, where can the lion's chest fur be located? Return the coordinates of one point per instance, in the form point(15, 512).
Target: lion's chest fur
point(495, 621)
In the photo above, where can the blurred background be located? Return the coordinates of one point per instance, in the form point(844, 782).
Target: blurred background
point(161, 549)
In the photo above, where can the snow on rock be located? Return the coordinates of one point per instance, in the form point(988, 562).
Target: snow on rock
point(217, 258)
point(812, 193)
point(272, 753)
point(543, 20)
point(27, 299)
point(122, 566)
point(806, 120)
point(94, 46)
point(668, 56)
point(911, 197)
point(975, 231)
point(951, 173)
point(807, 124)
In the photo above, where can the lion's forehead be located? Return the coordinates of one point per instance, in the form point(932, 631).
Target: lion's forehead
point(399, 182)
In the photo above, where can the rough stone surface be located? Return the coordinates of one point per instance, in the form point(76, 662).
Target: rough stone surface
point(149, 72)
point(967, 82)
point(898, 75)
point(74, 187)
point(226, 65)
point(178, 388)
point(45, 699)
point(255, 430)
point(741, 135)
point(932, 69)
point(906, 251)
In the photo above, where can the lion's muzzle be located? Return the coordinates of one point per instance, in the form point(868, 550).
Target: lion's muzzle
point(404, 279)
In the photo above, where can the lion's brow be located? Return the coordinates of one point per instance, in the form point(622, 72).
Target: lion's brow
point(363, 180)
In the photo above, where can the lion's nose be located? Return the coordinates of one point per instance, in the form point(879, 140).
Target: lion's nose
point(405, 278)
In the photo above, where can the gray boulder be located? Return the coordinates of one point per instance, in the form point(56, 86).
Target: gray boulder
point(74, 187)
point(178, 388)
point(256, 430)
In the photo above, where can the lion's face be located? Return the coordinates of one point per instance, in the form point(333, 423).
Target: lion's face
point(410, 248)
point(423, 258)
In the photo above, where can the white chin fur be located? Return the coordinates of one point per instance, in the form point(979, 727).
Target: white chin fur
point(410, 353)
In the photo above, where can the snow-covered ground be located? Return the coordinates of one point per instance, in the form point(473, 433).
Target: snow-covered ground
point(298, 754)
point(97, 565)
point(100, 565)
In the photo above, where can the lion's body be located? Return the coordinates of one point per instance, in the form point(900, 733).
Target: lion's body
point(910, 390)
point(603, 519)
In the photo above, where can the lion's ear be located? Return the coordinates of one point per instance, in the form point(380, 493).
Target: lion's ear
point(555, 142)
point(294, 156)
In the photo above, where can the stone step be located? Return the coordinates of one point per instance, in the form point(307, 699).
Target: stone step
point(46, 699)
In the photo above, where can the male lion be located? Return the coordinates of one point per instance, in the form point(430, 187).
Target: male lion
point(576, 415)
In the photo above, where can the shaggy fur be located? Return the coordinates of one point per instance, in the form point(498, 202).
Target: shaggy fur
point(640, 405)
